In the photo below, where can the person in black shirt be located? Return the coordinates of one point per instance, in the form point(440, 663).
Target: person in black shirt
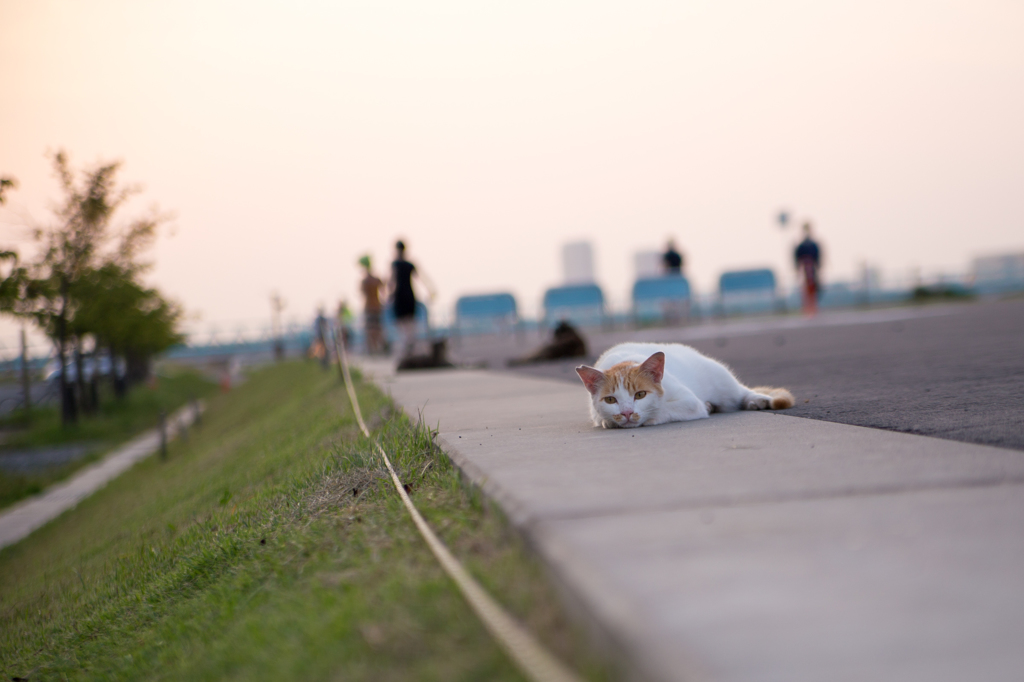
point(403, 298)
point(672, 260)
point(808, 261)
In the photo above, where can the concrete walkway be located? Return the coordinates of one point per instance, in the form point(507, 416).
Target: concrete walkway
point(20, 520)
point(751, 546)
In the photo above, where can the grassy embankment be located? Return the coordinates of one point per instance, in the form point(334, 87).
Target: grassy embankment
point(271, 546)
point(115, 422)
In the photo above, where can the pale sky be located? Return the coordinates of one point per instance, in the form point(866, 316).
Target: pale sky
point(290, 138)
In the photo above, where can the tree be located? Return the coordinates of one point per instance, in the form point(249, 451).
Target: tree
point(129, 320)
point(6, 184)
point(17, 288)
point(13, 282)
point(85, 281)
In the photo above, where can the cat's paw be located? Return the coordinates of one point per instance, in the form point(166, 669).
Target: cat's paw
point(709, 407)
point(756, 401)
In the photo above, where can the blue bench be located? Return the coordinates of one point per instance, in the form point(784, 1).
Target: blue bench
point(486, 313)
point(581, 304)
point(664, 299)
point(747, 291)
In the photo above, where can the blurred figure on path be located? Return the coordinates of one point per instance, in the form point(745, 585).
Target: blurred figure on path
point(373, 308)
point(808, 261)
point(344, 323)
point(672, 260)
point(277, 304)
point(403, 299)
point(320, 348)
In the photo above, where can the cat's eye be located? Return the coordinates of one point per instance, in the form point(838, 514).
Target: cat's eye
point(610, 399)
point(639, 395)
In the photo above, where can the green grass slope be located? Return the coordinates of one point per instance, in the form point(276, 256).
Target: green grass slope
point(115, 422)
point(270, 546)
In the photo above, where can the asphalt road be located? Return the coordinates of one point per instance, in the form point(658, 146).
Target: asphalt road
point(954, 372)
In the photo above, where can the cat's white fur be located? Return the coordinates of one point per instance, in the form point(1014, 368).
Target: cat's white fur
point(693, 386)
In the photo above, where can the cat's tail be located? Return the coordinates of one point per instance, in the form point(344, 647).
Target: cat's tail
point(781, 398)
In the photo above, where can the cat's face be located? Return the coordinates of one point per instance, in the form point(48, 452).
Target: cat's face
point(627, 394)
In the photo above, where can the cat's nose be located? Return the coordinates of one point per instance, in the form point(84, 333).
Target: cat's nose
point(627, 414)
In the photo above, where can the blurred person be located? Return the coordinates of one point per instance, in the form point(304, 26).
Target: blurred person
point(672, 260)
point(403, 298)
point(373, 308)
point(808, 262)
point(321, 334)
point(344, 322)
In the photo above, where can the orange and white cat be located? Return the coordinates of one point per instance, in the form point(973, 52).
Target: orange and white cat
point(644, 384)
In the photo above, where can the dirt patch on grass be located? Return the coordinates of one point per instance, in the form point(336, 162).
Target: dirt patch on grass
point(341, 490)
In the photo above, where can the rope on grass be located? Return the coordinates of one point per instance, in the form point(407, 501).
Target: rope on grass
point(533, 659)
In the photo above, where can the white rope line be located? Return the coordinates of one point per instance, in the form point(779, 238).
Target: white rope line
point(533, 660)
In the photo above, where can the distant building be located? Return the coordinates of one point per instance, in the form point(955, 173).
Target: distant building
point(578, 263)
point(870, 277)
point(648, 264)
point(995, 274)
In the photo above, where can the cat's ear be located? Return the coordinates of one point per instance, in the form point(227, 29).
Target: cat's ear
point(654, 366)
point(591, 377)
